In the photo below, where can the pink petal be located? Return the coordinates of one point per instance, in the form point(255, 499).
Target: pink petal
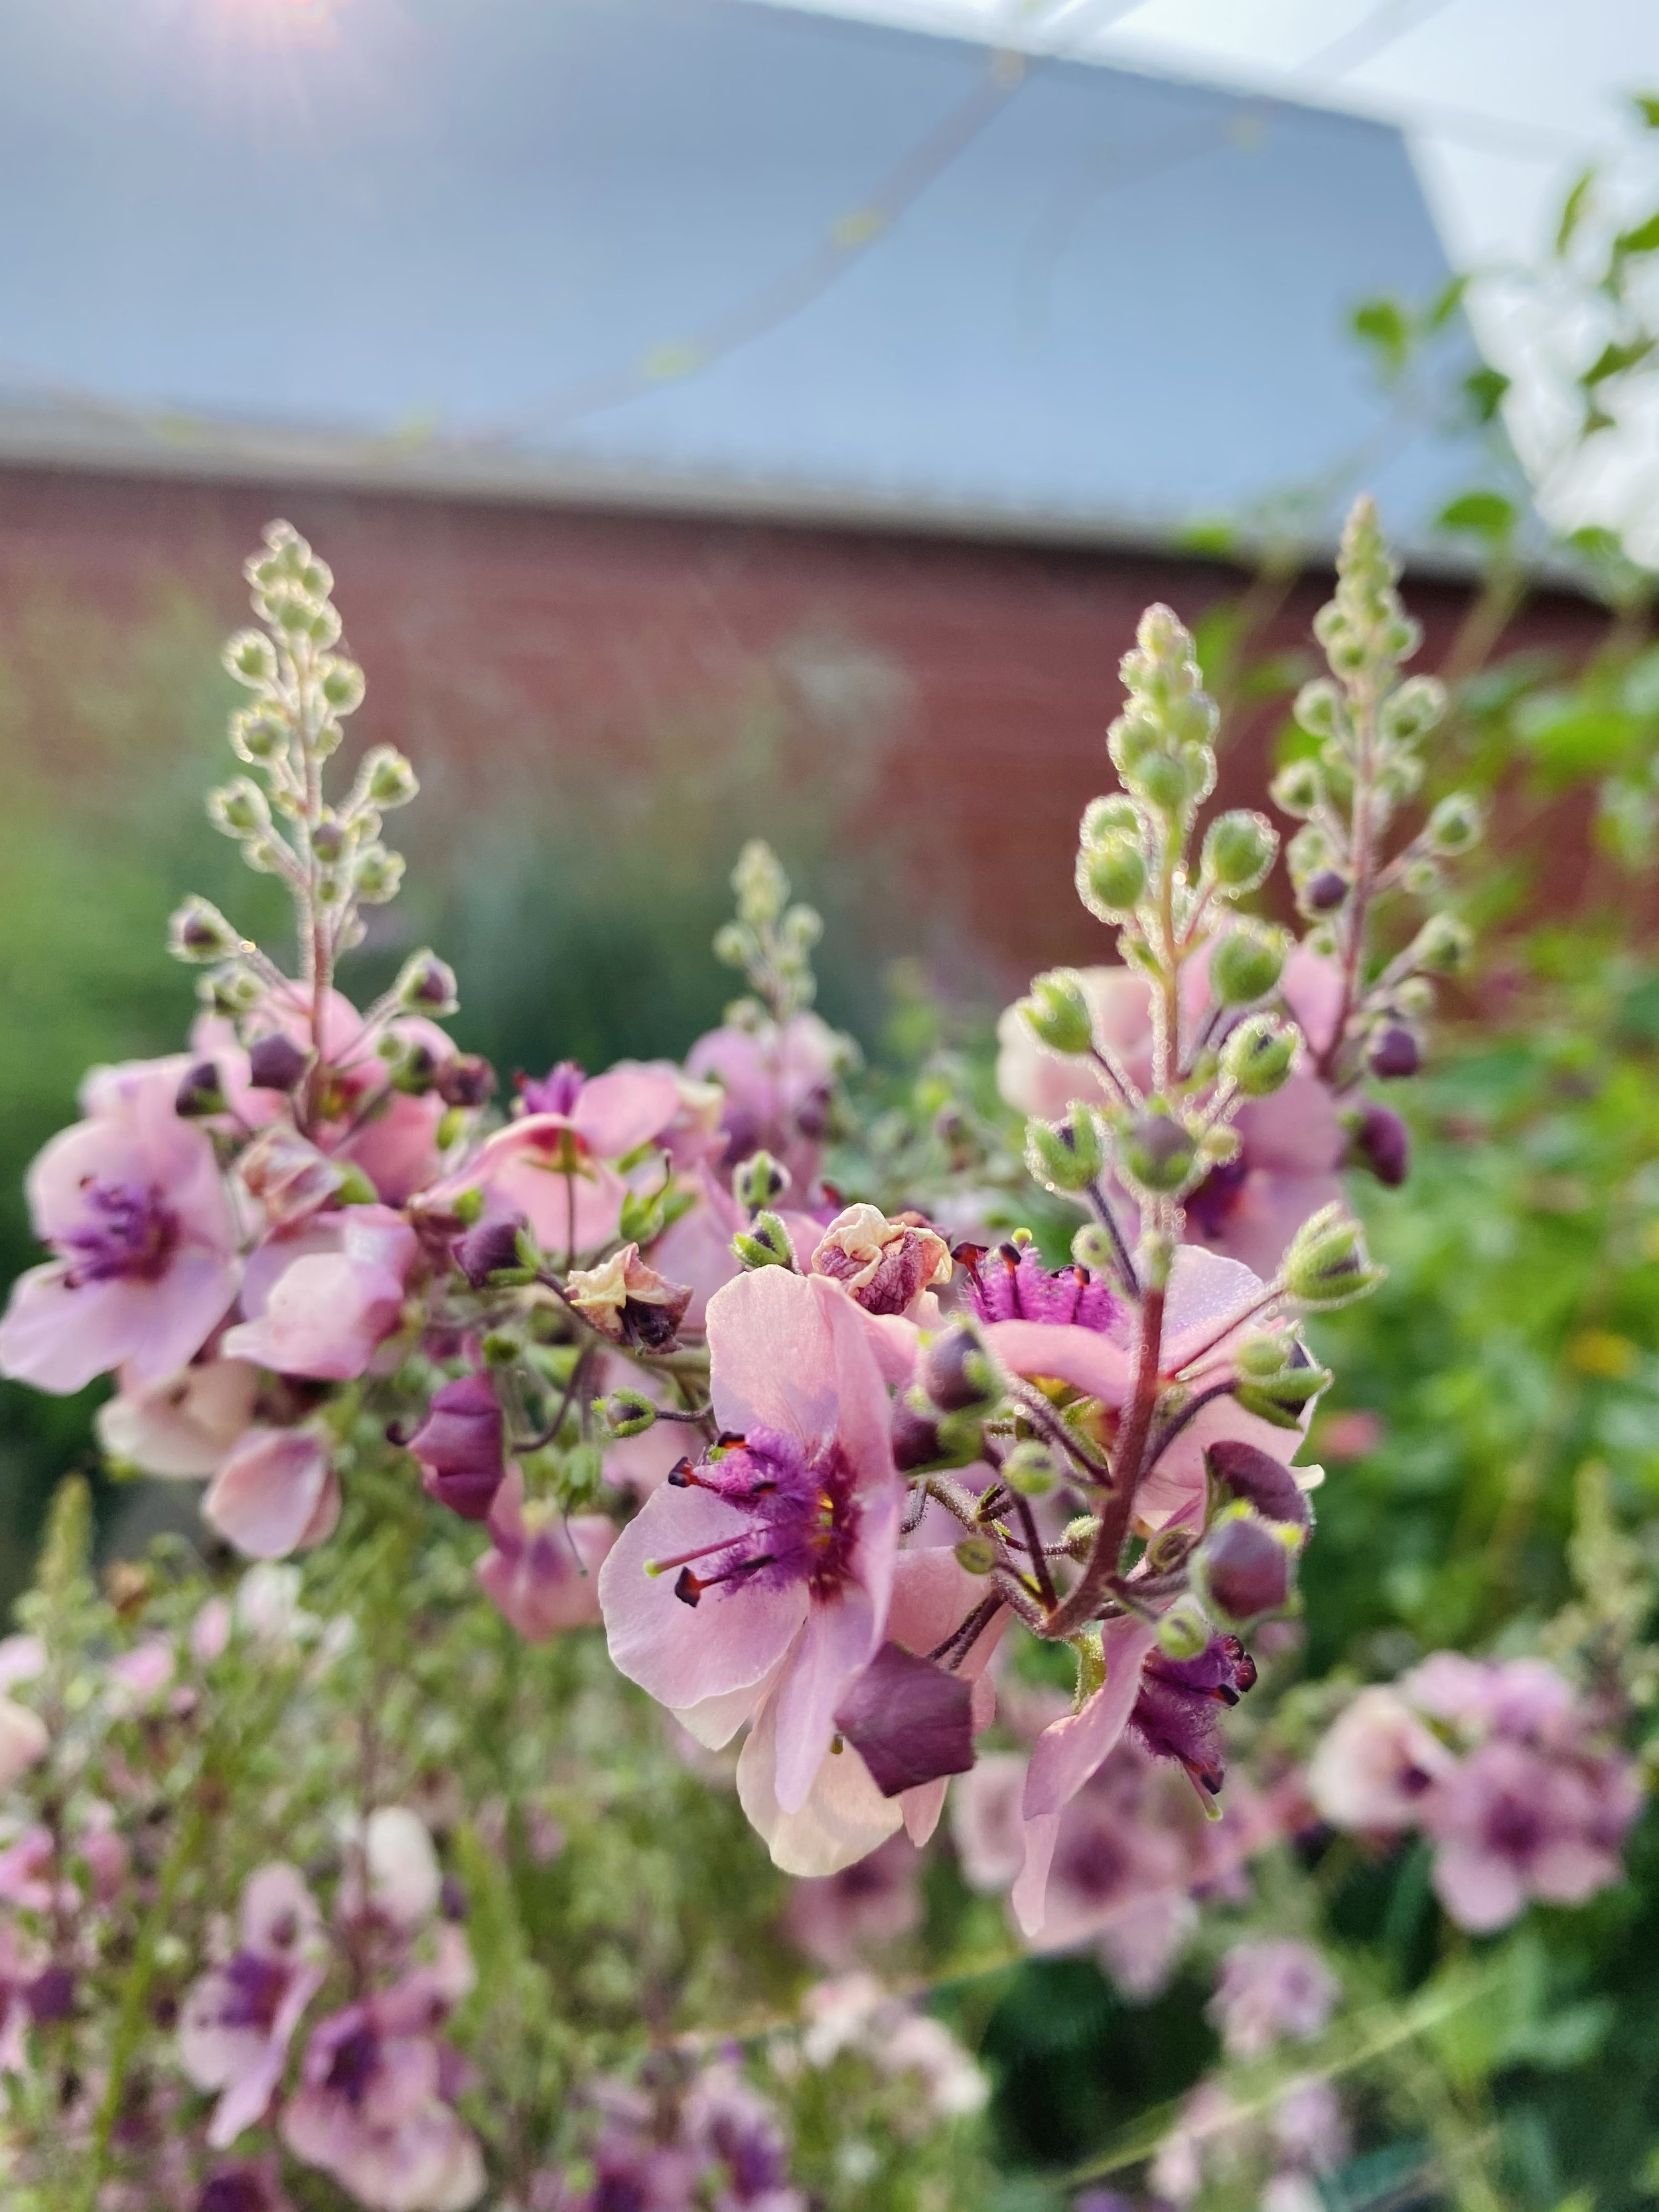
point(325, 1316)
point(682, 1653)
point(1082, 1357)
point(1481, 1891)
point(1208, 1292)
point(624, 1108)
point(842, 1816)
point(840, 1638)
point(269, 1493)
point(772, 1357)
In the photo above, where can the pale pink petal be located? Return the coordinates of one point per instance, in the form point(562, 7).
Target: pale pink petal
point(1479, 1890)
point(173, 1318)
point(326, 1316)
point(841, 1636)
point(396, 1148)
point(183, 1426)
point(840, 1818)
point(772, 1355)
point(1312, 988)
point(267, 1496)
point(1209, 1294)
point(1090, 1362)
point(23, 1739)
point(624, 1108)
point(683, 1654)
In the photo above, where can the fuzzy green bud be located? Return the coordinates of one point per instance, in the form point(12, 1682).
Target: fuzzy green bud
point(1030, 1470)
point(1414, 710)
point(759, 1181)
point(1247, 964)
point(1066, 1155)
point(341, 684)
point(260, 734)
point(1239, 849)
point(1263, 1352)
point(1319, 709)
point(251, 658)
point(199, 933)
point(764, 1243)
point(1441, 946)
point(387, 778)
point(1296, 788)
point(1157, 1152)
point(627, 1414)
point(238, 809)
point(426, 985)
point(976, 1555)
point(1282, 1398)
point(377, 874)
point(1111, 876)
point(580, 1477)
point(1106, 817)
point(1259, 1056)
point(1056, 1011)
point(1327, 1265)
point(1163, 780)
point(761, 887)
point(1184, 1629)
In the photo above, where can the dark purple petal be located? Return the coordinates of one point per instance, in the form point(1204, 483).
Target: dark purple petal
point(1381, 1142)
point(461, 1446)
point(1261, 1479)
point(276, 1063)
point(1247, 1571)
point(907, 1720)
point(1178, 1712)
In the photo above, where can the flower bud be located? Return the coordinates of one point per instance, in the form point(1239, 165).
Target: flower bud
point(238, 809)
point(233, 991)
point(1157, 1153)
point(200, 1092)
point(251, 658)
point(1259, 1481)
point(1259, 1056)
point(331, 840)
point(1324, 890)
point(461, 1446)
point(1246, 1566)
point(1163, 779)
point(759, 1181)
point(1456, 823)
point(387, 778)
point(426, 985)
point(1381, 1142)
point(764, 1243)
point(581, 1478)
point(1057, 1012)
point(1296, 788)
point(1318, 707)
point(1184, 1630)
point(976, 1555)
point(1093, 1248)
point(276, 1062)
point(1441, 946)
point(1239, 849)
point(1111, 876)
point(1102, 819)
point(198, 933)
point(1414, 710)
point(1328, 1264)
point(1247, 964)
point(260, 734)
point(1030, 1470)
point(1264, 1352)
point(1394, 1051)
point(377, 875)
point(627, 1414)
point(955, 1370)
point(491, 1248)
point(1066, 1155)
point(1282, 1399)
point(467, 1081)
point(341, 683)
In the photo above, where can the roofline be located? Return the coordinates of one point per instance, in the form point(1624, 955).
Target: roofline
point(113, 441)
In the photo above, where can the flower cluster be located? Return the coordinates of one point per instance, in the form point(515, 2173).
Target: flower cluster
point(1505, 1770)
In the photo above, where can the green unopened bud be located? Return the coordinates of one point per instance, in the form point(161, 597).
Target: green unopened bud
point(251, 659)
point(1184, 1629)
point(66, 1548)
point(1414, 710)
point(1259, 1056)
point(341, 683)
point(1057, 1013)
point(238, 809)
point(1247, 964)
point(759, 1181)
point(1318, 708)
point(1157, 1153)
point(735, 945)
point(1441, 946)
point(501, 1348)
point(1246, 1566)
point(976, 1555)
point(627, 1414)
point(198, 933)
point(1219, 1146)
point(1111, 876)
point(1327, 1265)
point(1456, 824)
point(580, 1477)
point(426, 985)
point(1239, 849)
point(1163, 779)
point(1296, 788)
point(764, 1243)
point(1066, 1155)
point(1080, 1534)
point(1030, 1470)
point(1093, 1248)
point(758, 879)
point(1282, 1397)
point(1262, 1352)
point(377, 875)
point(233, 991)
point(387, 778)
point(260, 734)
point(1109, 817)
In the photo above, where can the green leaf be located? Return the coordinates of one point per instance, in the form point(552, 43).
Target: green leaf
point(1486, 388)
point(1385, 325)
point(1569, 736)
point(1441, 309)
point(1643, 239)
point(1481, 514)
point(1573, 210)
point(1614, 360)
point(1647, 106)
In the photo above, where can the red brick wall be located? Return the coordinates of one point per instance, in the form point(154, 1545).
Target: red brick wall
point(487, 624)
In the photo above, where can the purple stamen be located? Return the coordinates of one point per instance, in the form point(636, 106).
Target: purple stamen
point(803, 1511)
point(555, 1092)
point(129, 1235)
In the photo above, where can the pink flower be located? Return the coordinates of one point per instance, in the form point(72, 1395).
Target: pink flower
point(777, 1081)
point(23, 1737)
point(541, 1574)
point(239, 2019)
point(1290, 1143)
point(461, 1446)
point(1269, 1989)
point(277, 1492)
point(244, 2187)
point(1374, 1768)
point(184, 1425)
point(1512, 1824)
point(770, 1566)
point(322, 1302)
point(887, 1267)
point(371, 2112)
point(133, 1204)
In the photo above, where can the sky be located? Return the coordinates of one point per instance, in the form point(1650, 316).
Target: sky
point(1504, 103)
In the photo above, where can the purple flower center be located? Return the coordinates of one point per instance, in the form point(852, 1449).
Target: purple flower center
point(555, 1092)
point(1094, 1864)
point(127, 1234)
point(1214, 1204)
point(255, 1989)
point(1513, 1828)
point(354, 2064)
point(1012, 1284)
point(803, 1515)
